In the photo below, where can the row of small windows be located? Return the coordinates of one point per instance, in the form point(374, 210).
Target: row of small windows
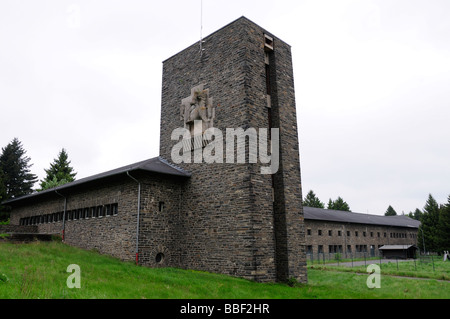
point(338, 249)
point(75, 214)
point(364, 234)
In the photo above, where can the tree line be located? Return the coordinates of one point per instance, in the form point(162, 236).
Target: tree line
point(434, 230)
point(16, 178)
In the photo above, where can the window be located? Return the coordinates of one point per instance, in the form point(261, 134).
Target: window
point(349, 248)
point(339, 233)
point(107, 210)
point(378, 234)
point(330, 232)
point(356, 233)
point(268, 43)
point(114, 209)
point(309, 249)
point(99, 211)
point(320, 249)
point(308, 231)
point(93, 212)
point(161, 207)
point(319, 232)
point(348, 233)
point(86, 213)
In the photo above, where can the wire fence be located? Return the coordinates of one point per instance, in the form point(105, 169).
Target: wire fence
point(327, 258)
point(429, 263)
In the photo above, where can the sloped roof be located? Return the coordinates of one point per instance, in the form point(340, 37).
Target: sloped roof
point(153, 165)
point(396, 247)
point(358, 218)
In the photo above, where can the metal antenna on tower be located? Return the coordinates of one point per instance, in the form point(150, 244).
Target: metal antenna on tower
point(201, 28)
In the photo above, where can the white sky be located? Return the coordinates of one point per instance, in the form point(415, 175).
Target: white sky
point(372, 83)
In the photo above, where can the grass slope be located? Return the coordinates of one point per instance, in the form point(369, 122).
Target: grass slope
point(38, 270)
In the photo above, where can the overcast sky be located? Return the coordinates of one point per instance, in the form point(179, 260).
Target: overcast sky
point(372, 82)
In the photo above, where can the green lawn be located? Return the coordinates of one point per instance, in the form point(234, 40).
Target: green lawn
point(38, 270)
point(438, 269)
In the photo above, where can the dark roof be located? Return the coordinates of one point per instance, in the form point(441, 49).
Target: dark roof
point(396, 247)
point(357, 218)
point(153, 165)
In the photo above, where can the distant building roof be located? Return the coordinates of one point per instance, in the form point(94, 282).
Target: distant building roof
point(313, 213)
point(153, 165)
point(396, 247)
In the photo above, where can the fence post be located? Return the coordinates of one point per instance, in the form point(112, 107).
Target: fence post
point(380, 260)
point(432, 260)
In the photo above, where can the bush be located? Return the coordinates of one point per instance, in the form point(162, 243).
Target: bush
point(6, 222)
point(292, 282)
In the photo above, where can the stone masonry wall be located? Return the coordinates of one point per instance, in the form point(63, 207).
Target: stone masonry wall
point(113, 234)
point(227, 209)
point(18, 229)
point(350, 235)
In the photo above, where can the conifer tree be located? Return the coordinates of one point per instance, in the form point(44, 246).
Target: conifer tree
point(4, 214)
point(417, 215)
point(59, 173)
point(390, 211)
point(444, 228)
point(338, 204)
point(17, 177)
point(311, 200)
point(428, 230)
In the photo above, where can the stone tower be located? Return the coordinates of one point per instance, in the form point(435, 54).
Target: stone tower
point(232, 218)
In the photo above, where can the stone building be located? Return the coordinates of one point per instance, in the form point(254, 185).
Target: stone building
point(355, 234)
point(200, 204)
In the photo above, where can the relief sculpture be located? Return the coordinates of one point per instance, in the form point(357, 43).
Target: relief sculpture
point(198, 107)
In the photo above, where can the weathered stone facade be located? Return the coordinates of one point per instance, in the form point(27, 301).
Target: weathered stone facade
point(116, 233)
point(353, 237)
point(224, 217)
point(239, 221)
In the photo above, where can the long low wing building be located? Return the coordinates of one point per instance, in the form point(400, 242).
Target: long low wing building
point(356, 234)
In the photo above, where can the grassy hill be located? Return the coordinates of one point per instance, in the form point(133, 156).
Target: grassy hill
point(39, 270)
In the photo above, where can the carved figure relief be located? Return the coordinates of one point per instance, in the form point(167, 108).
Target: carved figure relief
point(198, 106)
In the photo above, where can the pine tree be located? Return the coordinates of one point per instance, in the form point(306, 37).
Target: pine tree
point(311, 200)
point(338, 204)
point(417, 215)
point(444, 228)
point(390, 211)
point(59, 173)
point(17, 177)
point(4, 213)
point(428, 230)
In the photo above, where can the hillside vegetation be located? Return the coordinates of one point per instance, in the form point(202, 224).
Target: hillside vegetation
point(39, 270)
